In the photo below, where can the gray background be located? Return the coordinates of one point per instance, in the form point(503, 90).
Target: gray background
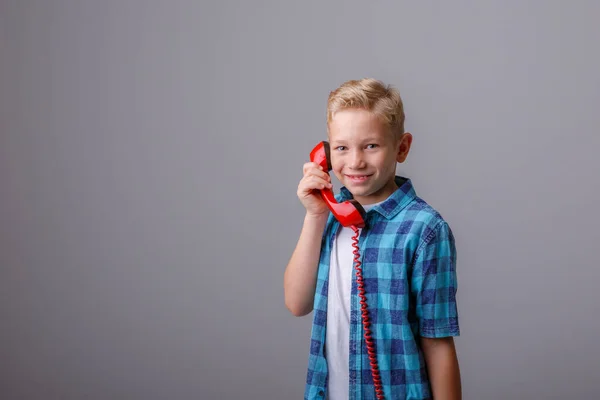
point(149, 158)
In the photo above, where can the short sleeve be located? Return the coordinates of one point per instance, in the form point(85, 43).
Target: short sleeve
point(434, 284)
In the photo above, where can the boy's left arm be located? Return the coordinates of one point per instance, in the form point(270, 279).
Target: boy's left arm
point(442, 367)
point(433, 286)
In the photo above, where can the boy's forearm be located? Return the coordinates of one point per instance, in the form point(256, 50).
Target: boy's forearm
point(300, 276)
point(442, 367)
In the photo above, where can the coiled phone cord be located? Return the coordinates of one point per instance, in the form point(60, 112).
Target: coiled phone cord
point(365, 317)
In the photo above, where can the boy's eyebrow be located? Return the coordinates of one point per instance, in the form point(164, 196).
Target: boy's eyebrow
point(371, 139)
point(337, 141)
point(365, 140)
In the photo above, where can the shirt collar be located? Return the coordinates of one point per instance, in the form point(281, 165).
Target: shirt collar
point(394, 203)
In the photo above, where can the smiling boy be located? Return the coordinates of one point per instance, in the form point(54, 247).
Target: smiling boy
point(408, 262)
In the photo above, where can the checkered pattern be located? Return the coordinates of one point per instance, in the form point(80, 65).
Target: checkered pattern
point(408, 261)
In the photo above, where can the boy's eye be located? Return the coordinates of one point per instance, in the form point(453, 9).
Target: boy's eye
point(371, 146)
point(341, 148)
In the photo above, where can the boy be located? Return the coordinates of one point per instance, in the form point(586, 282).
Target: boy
point(408, 262)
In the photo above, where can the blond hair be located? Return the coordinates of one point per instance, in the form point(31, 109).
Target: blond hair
point(371, 95)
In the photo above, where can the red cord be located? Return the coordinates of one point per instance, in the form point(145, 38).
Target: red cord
point(365, 317)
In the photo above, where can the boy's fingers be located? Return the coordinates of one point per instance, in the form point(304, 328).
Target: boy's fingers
point(325, 181)
point(311, 171)
point(315, 182)
point(311, 165)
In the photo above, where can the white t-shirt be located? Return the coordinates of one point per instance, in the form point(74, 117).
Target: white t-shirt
point(337, 337)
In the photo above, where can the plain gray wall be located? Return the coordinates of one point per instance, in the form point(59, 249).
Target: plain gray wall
point(150, 153)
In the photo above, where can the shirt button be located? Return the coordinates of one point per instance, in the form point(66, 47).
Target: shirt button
point(321, 393)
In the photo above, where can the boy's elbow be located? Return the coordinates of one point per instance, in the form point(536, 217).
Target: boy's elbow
point(297, 310)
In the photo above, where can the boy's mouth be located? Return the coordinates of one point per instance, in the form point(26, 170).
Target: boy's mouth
point(358, 178)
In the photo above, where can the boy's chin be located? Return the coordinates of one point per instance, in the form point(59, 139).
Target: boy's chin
point(371, 195)
point(366, 196)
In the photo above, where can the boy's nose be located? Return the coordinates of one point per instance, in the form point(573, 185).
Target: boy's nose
point(356, 160)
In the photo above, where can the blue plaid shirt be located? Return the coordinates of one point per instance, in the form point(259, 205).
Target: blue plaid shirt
point(409, 267)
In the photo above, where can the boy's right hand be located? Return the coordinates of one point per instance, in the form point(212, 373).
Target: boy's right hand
point(314, 179)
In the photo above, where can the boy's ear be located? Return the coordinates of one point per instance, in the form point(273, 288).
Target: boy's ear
point(403, 147)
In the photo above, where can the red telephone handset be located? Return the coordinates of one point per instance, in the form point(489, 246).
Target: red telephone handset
point(351, 214)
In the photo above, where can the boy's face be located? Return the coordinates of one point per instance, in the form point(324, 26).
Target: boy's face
point(364, 154)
